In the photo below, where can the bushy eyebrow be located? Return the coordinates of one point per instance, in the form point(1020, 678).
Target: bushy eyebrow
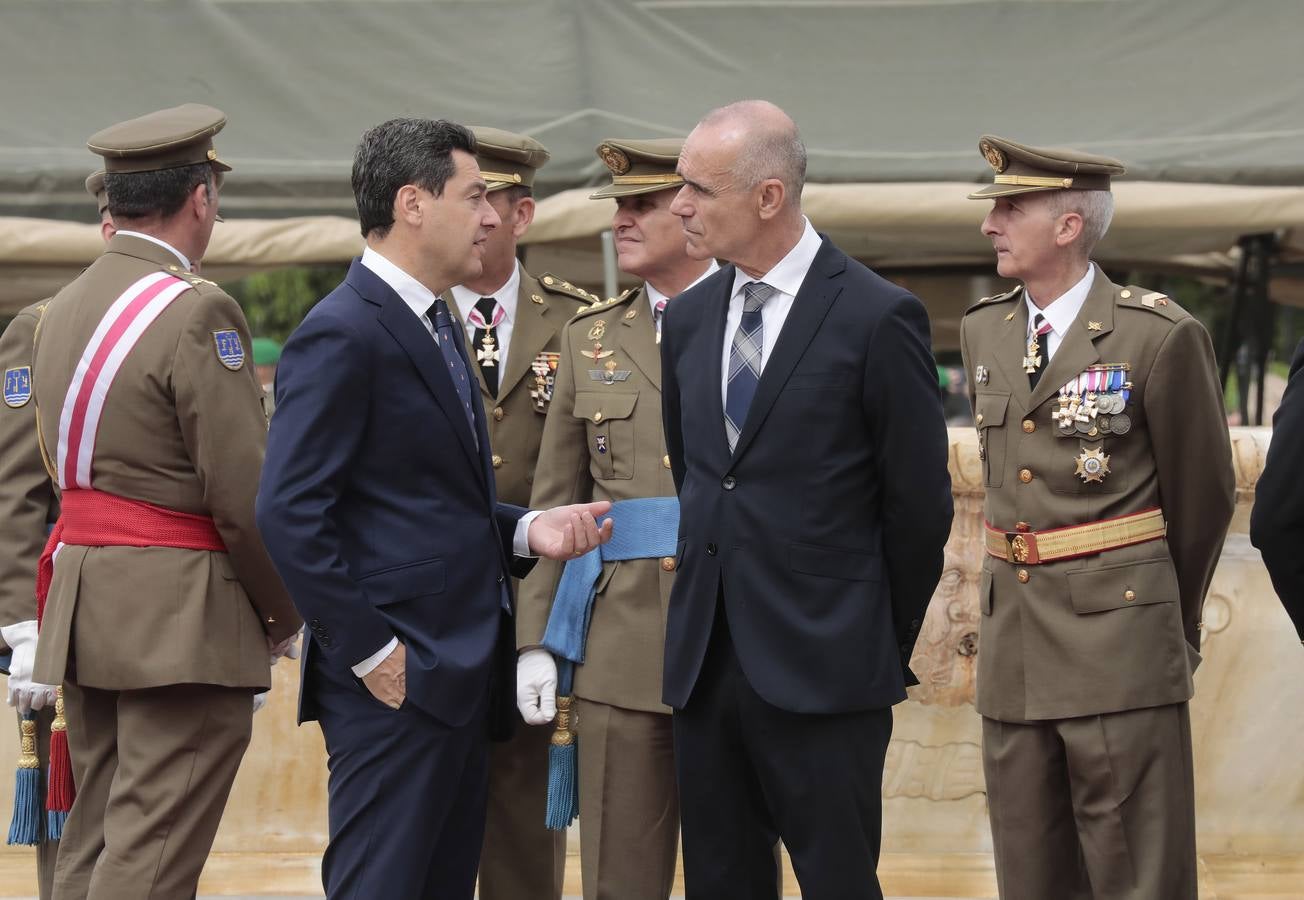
point(697, 186)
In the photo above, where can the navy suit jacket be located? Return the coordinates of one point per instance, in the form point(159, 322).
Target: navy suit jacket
point(378, 507)
point(825, 527)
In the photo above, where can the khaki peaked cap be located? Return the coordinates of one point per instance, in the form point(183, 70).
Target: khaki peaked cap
point(507, 159)
point(639, 167)
point(1021, 169)
point(166, 139)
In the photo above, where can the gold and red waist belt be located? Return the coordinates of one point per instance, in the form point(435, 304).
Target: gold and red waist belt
point(1030, 548)
point(90, 518)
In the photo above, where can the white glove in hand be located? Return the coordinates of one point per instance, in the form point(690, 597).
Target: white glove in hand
point(260, 700)
point(288, 648)
point(24, 693)
point(536, 686)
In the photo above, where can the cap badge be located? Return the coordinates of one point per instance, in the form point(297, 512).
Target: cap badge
point(995, 158)
point(615, 159)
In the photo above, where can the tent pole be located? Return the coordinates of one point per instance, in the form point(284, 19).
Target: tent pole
point(1231, 334)
point(1264, 317)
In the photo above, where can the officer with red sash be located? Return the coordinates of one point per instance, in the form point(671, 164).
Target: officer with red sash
point(157, 603)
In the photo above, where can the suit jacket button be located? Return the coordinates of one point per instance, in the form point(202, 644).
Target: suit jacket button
point(497, 461)
point(729, 482)
point(668, 564)
point(710, 549)
point(498, 413)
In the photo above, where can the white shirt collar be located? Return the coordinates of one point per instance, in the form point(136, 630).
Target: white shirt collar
point(185, 263)
point(653, 295)
point(1063, 311)
point(505, 295)
point(415, 294)
point(787, 276)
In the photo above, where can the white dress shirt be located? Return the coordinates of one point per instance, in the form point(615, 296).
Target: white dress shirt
point(1062, 312)
point(654, 296)
point(420, 299)
point(506, 297)
point(185, 263)
point(786, 278)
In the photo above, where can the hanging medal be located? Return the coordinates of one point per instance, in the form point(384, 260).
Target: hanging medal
point(487, 354)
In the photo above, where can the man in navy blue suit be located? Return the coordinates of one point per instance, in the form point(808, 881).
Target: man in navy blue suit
point(377, 505)
point(806, 439)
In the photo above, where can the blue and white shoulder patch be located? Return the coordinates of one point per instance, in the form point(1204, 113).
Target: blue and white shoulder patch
point(230, 350)
point(18, 386)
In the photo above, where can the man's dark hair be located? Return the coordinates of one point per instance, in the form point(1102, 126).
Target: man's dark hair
point(141, 195)
point(399, 152)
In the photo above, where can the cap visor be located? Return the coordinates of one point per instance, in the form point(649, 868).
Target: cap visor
point(219, 166)
point(992, 191)
point(629, 190)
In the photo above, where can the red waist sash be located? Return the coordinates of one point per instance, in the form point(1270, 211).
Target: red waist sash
point(91, 518)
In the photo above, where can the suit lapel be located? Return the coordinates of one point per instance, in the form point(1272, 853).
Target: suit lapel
point(638, 338)
point(817, 293)
point(715, 319)
point(410, 333)
point(456, 313)
point(1077, 350)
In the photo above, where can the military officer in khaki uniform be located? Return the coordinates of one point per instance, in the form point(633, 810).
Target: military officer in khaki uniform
point(28, 507)
point(604, 441)
point(513, 322)
point(163, 605)
point(1109, 490)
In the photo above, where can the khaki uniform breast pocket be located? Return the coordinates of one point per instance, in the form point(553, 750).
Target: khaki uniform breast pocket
point(989, 418)
point(608, 416)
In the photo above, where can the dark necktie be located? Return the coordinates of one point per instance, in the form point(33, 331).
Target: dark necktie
point(457, 368)
point(745, 360)
point(1032, 363)
point(485, 340)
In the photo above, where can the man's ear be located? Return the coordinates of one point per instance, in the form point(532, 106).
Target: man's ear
point(1068, 230)
point(523, 215)
point(772, 197)
point(407, 205)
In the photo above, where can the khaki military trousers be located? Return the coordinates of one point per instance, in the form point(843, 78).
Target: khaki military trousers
point(1093, 808)
point(46, 851)
point(154, 769)
point(521, 858)
point(629, 806)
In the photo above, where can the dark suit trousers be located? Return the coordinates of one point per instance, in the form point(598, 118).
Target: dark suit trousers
point(751, 773)
point(407, 795)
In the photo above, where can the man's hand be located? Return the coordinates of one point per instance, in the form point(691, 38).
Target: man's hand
point(388, 681)
point(25, 694)
point(536, 686)
point(288, 647)
point(565, 532)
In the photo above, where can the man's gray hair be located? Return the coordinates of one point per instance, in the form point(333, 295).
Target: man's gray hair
point(1096, 209)
point(773, 148)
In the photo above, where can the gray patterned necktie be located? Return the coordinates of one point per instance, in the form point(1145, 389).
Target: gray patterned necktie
point(745, 360)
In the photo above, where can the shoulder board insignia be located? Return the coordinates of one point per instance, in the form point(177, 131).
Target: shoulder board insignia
point(18, 386)
point(560, 286)
point(230, 349)
point(998, 298)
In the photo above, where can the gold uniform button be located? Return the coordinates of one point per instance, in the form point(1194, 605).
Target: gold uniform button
point(668, 564)
point(665, 462)
point(1023, 576)
point(497, 461)
point(498, 413)
point(978, 419)
point(597, 417)
point(1025, 475)
point(1129, 596)
point(1029, 426)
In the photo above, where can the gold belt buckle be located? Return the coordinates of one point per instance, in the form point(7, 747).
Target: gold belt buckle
point(1021, 547)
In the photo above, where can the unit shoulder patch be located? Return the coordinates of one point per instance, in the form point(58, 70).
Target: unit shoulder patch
point(230, 349)
point(18, 386)
point(554, 285)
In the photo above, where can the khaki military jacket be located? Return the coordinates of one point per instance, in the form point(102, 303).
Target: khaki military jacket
point(183, 430)
point(1118, 630)
point(604, 440)
point(27, 500)
point(515, 417)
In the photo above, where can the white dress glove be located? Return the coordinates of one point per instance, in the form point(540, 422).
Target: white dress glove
point(24, 693)
point(260, 700)
point(536, 686)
